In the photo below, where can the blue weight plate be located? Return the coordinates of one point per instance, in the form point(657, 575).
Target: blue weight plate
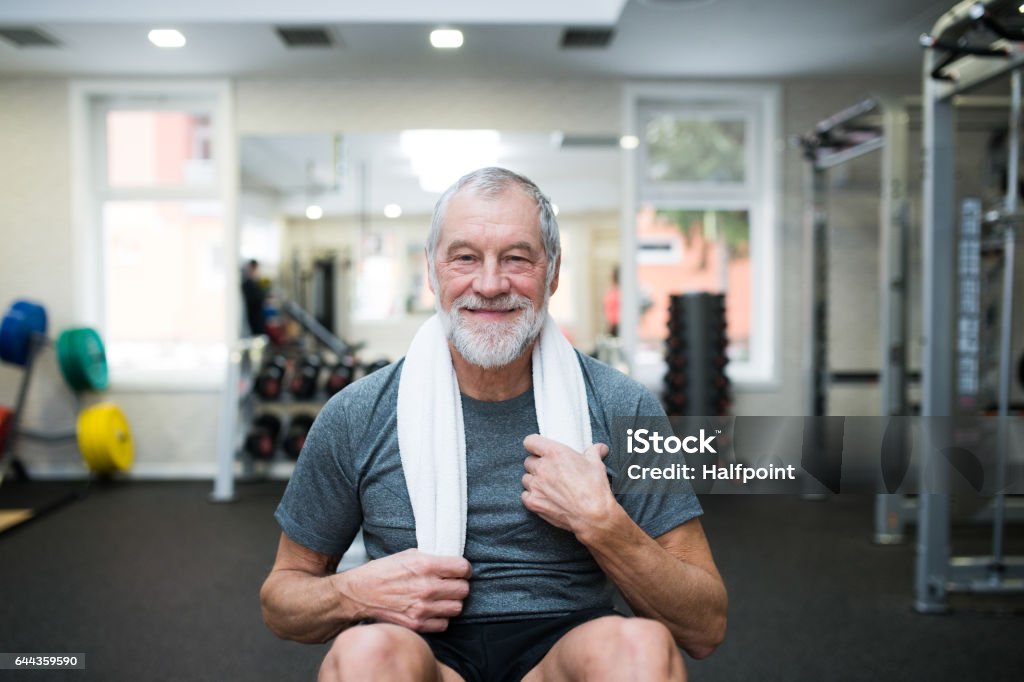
point(15, 333)
point(35, 314)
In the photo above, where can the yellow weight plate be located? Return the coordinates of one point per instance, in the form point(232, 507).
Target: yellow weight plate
point(105, 438)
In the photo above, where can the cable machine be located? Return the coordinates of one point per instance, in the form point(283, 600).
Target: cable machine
point(953, 66)
point(874, 124)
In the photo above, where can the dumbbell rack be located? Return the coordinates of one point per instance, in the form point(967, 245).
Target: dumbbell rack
point(696, 382)
point(241, 401)
point(237, 408)
point(240, 405)
point(8, 455)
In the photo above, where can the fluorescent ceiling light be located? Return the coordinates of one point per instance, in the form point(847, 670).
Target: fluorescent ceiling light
point(629, 141)
point(314, 212)
point(166, 37)
point(446, 38)
point(440, 157)
point(392, 211)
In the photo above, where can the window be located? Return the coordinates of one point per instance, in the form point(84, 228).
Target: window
point(154, 207)
point(702, 217)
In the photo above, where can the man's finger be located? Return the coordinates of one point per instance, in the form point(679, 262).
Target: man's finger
point(433, 625)
point(527, 478)
point(449, 608)
point(596, 452)
point(446, 589)
point(450, 567)
point(530, 464)
point(540, 446)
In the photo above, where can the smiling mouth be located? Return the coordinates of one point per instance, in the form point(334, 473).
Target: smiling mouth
point(490, 312)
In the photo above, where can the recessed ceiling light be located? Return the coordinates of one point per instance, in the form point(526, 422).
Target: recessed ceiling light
point(629, 141)
point(166, 37)
point(392, 211)
point(446, 38)
point(314, 212)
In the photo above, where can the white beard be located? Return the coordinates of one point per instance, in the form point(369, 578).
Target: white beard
point(492, 344)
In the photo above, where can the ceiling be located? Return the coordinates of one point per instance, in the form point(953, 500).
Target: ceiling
point(388, 38)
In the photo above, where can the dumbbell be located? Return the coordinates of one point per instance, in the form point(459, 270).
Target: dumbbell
point(674, 401)
point(304, 379)
point(341, 375)
point(298, 429)
point(261, 441)
point(271, 378)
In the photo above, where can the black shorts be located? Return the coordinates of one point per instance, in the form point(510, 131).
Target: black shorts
point(504, 651)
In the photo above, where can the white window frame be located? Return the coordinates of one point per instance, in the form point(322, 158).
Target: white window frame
point(89, 192)
point(760, 105)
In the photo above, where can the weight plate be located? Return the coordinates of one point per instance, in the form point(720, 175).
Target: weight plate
point(23, 318)
point(6, 424)
point(14, 335)
point(105, 439)
point(82, 359)
point(34, 313)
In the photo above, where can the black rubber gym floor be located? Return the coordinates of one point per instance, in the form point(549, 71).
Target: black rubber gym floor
point(152, 582)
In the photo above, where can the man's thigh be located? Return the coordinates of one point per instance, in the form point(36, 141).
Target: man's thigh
point(612, 647)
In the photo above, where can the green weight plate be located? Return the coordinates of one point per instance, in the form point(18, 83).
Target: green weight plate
point(82, 359)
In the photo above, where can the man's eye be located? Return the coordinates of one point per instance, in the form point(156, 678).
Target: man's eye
point(464, 258)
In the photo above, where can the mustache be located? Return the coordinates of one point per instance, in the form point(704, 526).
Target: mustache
point(503, 302)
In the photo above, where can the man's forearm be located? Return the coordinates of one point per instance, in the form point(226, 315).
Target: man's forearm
point(306, 608)
point(689, 600)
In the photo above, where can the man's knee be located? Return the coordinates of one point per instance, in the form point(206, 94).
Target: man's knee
point(639, 644)
point(366, 651)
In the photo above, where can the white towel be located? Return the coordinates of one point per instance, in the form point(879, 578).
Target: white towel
point(432, 437)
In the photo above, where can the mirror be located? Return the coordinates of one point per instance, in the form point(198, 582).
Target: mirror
point(338, 222)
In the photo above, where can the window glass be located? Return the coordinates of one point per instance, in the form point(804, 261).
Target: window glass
point(164, 278)
point(687, 250)
point(158, 148)
point(695, 148)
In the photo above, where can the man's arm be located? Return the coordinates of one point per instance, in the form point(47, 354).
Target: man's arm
point(672, 578)
point(305, 600)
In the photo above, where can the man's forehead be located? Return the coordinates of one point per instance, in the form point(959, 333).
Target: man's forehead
point(469, 211)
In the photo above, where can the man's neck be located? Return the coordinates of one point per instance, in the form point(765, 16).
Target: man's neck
point(492, 385)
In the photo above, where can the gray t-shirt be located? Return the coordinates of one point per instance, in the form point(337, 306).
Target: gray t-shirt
point(350, 476)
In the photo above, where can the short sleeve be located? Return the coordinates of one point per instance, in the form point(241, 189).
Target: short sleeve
point(320, 508)
point(618, 403)
point(658, 513)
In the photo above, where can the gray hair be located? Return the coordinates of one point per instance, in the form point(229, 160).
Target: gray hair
point(490, 183)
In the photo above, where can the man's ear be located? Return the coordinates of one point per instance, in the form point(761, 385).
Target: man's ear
point(430, 280)
point(554, 280)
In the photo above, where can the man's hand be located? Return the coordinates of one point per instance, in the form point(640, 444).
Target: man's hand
point(412, 589)
point(565, 488)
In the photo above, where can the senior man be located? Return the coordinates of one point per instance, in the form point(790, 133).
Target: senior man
point(475, 469)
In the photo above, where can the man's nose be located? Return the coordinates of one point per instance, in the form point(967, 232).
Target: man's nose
point(490, 281)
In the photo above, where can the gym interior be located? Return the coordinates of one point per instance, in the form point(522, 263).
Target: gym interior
point(791, 215)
